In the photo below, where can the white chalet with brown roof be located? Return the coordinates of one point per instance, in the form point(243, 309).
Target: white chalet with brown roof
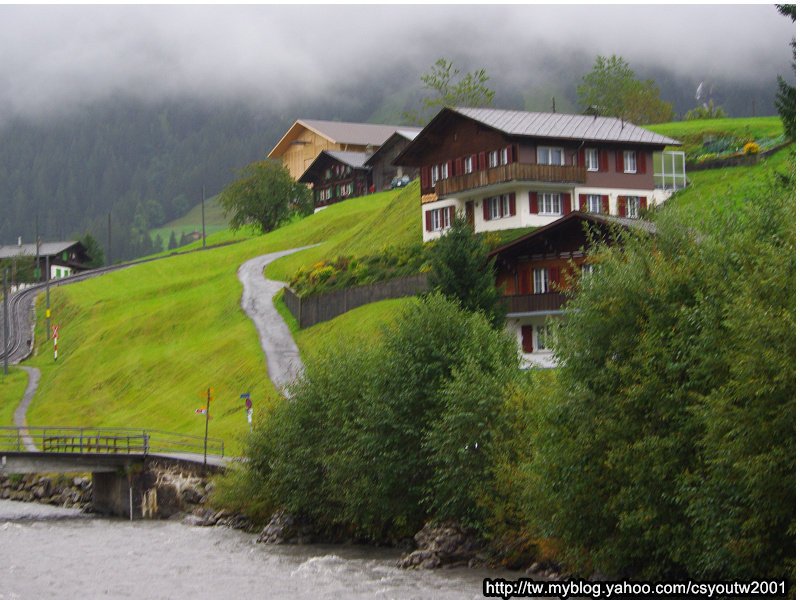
point(505, 169)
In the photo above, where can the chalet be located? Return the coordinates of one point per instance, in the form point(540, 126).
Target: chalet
point(506, 169)
point(536, 271)
point(335, 176)
point(64, 258)
point(306, 138)
point(384, 172)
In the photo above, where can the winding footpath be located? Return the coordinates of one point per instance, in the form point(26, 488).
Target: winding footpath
point(283, 357)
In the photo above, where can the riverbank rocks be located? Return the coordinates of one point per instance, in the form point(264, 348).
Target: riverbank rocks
point(444, 545)
point(284, 528)
point(206, 517)
point(56, 490)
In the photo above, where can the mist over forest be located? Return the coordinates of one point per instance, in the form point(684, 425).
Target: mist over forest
point(141, 147)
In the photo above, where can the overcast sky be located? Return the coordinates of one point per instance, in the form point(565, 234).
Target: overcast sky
point(57, 57)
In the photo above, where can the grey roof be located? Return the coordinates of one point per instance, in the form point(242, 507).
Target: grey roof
point(409, 132)
point(365, 134)
point(353, 159)
point(45, 249)
point(562, 126)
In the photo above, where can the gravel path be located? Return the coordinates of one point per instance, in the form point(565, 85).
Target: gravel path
point(19, 414)
point(283, 357)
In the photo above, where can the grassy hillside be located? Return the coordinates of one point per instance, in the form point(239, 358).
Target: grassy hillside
point(193, 221)
point(139, 346)
point(12, 387)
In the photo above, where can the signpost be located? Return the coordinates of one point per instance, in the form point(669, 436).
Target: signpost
point(55, 342)
point(248, 406)
point(205, 411)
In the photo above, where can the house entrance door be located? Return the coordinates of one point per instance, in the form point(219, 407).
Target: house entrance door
point(471, 214)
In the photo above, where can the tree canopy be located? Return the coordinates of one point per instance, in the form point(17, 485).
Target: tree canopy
point(785, 100)
point(611, 89)
point(444, 88)
point(264, 195)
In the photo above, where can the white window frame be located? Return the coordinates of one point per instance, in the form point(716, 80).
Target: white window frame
point(494, 159)
point(549, 203)
point(499, 207)
point(440, 219)
point(587, 269)
point(434, 174)
point(632, 207)
point(592, 159)
point(540, 281)
point(444, 171)
point(592, 201)
point(545, 155)
point(542, 338)
point(504, 157)
point(468, 166)
point(629, 161)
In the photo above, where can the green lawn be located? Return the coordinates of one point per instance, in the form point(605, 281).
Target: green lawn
point(193, 221)
point(12, 388)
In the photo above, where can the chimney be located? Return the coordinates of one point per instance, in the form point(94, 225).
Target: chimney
point(19, 242)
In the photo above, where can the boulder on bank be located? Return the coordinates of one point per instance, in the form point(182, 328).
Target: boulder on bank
point(444, 545)
point(284, 528)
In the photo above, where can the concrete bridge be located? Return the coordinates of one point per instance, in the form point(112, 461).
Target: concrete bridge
point(127, 465)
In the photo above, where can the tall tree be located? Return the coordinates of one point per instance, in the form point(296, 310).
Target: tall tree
point(611, 89)
point(444, 88)
point(264, 195)
point(93, 250)
point(785, 100)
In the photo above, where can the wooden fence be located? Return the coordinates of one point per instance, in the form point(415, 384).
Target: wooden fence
point(322, 307)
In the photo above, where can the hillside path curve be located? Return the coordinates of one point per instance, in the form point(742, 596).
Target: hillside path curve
point(283, 357)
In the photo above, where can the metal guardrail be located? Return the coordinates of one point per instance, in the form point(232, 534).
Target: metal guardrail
point(106, 440)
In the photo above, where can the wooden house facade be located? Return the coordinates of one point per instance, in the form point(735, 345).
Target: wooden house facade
point(507, 169)
point(336, 176)
point(384, 172)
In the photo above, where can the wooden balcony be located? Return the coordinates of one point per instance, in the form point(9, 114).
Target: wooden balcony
point(510, 172)
point(530, 303)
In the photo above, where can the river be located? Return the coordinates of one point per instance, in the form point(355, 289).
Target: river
point(48, 552)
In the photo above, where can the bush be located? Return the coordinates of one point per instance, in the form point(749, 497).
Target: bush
point(668, 450)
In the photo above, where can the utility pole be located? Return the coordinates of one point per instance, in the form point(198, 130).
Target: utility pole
point(205, 439)
point(5, 321)
point(47, 287)
point(203, 213)
point(109, 240)
point(38, 271)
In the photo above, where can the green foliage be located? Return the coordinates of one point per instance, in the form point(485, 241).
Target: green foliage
point(93, 250)
point(672, 430)
point(445, 90)
point(460, 270)
point(348, 271)
point(706, 111)
point(367, 444)
point(785, 100)
point(265, 194)
point(611, 89)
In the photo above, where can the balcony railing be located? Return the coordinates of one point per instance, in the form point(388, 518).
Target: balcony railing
point(511, 172)
point(529, 303)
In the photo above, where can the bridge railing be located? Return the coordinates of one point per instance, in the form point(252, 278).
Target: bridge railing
point(106, 440)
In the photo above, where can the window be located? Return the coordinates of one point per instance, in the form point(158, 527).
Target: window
point(549, 203)
point(587, 269)
point(504, 158)
point(540, 281)
point(629, 158)
point(468, 164)
point(592, 160)
point(549, 155)
point(434, 174)
point(443, 171)
point(494, 159)
point(542, 337)
point(632, 207)
point(440, 219)
point(499, 206)
point(594, 203)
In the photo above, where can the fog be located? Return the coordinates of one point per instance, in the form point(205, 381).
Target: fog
point(57, 58)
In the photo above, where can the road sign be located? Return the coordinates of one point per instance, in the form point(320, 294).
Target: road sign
point(200, 411)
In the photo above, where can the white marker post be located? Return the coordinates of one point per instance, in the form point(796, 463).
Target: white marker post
point(55, 342)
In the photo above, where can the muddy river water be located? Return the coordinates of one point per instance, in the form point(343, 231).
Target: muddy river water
point(48, 552)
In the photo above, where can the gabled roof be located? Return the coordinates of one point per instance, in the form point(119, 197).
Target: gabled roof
point(400, 135)
point(337, 132)
point(569, 220)
point(355, 160)
point(564, 126)
point(553, 126)
point(45, 249)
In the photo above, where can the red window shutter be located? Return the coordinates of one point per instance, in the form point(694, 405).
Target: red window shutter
point(582, 158)
point(458, 167)
point(641, 162)
point(485, 209)
point(604, 161)
point(428, 225)
point(452, 211)
point(642, 204)
point(554, 276)
point(621, 205)
point(533, 203)
point(482, 160)
point(605, 204)
point(512, 203)
point(425, 178)
point(582, 201)
point(525, 281)
point(527, 338)
point(620, 161)
point(451, 168)
point(510, 152)
point(566, 204)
